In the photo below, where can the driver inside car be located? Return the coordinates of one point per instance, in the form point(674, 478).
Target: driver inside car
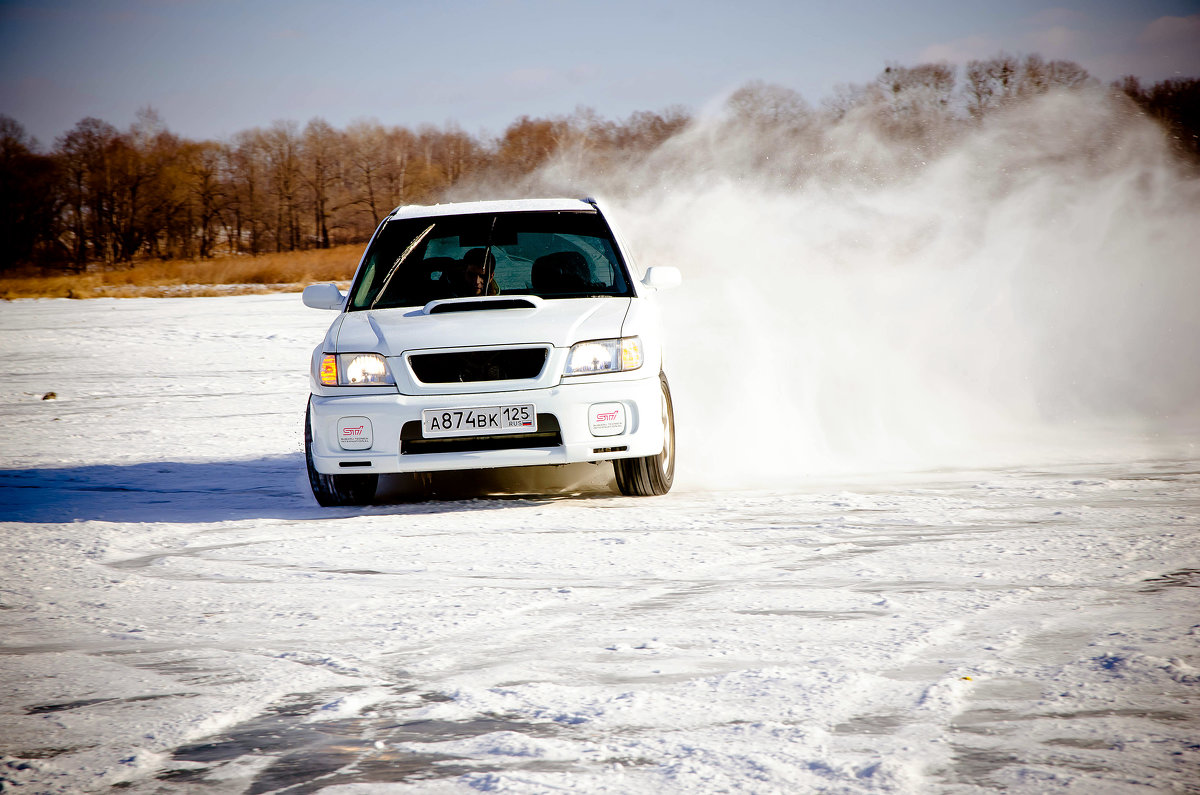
point(475, 278)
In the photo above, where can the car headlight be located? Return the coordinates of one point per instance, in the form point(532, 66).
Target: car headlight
point(355, 369)
point(604, 356)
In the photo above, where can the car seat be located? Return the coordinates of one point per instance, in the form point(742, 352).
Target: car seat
point(560, 272)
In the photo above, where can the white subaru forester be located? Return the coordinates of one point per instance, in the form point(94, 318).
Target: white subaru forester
point(491, 334)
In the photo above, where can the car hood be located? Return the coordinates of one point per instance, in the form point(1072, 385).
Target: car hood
point(560, 322)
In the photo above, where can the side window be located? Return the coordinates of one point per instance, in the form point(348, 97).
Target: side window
point(365, 285)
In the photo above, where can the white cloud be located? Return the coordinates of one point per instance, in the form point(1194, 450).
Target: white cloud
point(1156, 50)
point(960, 51)
point(1172, 31)
point(529, 77)
point(1057, 17)
point(1167, 47)
point(1058, 42)
point(583, 73)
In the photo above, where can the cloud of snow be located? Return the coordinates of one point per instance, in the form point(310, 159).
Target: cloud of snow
point(867, 300)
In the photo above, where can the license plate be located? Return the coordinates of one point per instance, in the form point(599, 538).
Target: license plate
point(479, 420)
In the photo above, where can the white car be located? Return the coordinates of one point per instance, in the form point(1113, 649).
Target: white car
point(491, 334)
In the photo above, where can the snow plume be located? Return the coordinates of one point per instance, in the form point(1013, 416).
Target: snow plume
point(862, 292)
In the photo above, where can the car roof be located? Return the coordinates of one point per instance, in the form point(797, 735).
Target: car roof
point(504, 206)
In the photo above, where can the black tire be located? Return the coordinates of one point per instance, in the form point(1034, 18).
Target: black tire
point(652, 475)
point(333, 490)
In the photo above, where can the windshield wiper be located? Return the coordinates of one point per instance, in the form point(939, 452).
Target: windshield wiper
point(399, 261)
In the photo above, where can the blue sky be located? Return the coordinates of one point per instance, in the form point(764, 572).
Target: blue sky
point(214, 67)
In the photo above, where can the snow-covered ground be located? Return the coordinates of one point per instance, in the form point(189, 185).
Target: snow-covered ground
point(178, 615)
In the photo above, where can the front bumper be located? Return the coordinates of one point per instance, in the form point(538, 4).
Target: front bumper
point(568, 404)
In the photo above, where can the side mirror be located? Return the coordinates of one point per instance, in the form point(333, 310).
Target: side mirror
point(661, 277)
point(323, 296)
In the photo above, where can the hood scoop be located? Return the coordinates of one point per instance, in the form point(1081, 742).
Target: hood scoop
point(479, 304)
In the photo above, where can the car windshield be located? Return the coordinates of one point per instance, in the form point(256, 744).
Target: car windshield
point(413, 261)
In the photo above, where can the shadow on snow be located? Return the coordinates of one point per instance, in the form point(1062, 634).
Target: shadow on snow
point(272, 487)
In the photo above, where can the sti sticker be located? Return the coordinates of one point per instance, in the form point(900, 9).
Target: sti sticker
point(354, 433)
point(606, 419)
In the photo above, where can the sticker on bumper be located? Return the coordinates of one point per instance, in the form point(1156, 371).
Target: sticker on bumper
point(354, 433)
point(606, 419)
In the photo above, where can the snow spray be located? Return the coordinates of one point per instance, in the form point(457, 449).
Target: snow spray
point(1028, 292)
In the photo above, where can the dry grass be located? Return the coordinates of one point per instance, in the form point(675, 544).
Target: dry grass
point(266, 273)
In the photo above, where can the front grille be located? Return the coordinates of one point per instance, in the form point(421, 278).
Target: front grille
point(500, 365)
point(548, 435)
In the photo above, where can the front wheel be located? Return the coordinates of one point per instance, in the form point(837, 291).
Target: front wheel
point(652, 475)
point(333, 490)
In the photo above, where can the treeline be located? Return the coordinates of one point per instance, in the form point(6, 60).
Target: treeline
point(108, 196)
point(103, 197)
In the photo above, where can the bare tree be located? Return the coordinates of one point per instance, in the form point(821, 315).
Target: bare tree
point(281, 148)
point(991, 83)
point(28, 199)
point(321, 147)
point(399, 147)
point(919, 89)
point(1175, 104)
point(82, 154)
point(208, 190)
point(247, 203)
point(1003, 79)
point(646, 130)
point(767, 105)
point(367, 160)
point(528, 143)
point(162, 221)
